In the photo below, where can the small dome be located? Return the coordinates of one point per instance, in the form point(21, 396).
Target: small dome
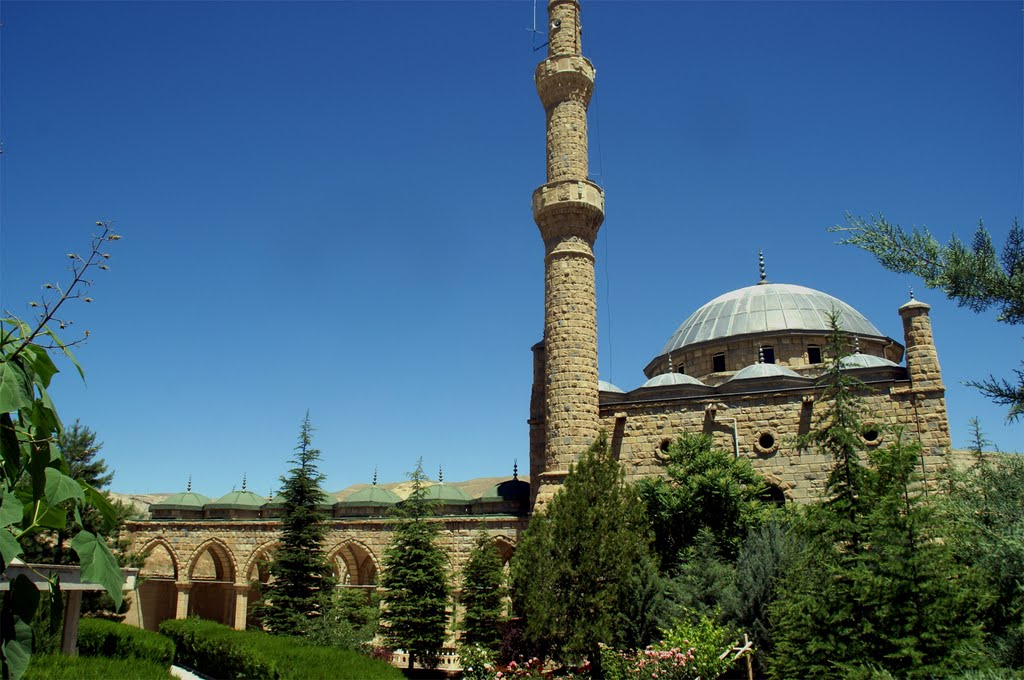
point(604, 386)
point(446, 493)
point(372, 495)
point(764, 308)
point(186, 500)
point(672, 379)
point(763, 371)
point(859, 360)
point(240, 499)
point(509, 490)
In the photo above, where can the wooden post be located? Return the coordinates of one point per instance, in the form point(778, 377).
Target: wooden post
point(72, 610)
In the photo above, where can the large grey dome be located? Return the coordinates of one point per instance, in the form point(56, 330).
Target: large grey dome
point(764, 308)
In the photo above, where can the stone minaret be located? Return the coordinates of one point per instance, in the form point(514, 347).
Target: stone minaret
point(568, 209)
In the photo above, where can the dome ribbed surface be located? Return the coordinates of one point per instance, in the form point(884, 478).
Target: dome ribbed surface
point(859, 360)
point(446, 493)
point(767, 308)
point(185, 499)
point(372, 495)
point(672, 379)
point(763, 371)
point(605, 386)
point(240, 499)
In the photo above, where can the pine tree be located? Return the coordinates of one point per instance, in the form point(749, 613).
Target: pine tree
point(576, 566)
point(415, 579)
point(483, 595)
point(301, 577)
point(877, 586)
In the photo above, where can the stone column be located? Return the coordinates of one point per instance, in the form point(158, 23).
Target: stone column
point(181, 609)
point(927, 392)
point(241, 605)
point(568, 210)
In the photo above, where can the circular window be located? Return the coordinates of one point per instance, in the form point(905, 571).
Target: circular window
point(664, 445)
point(766, 443)
point(556, 23)
point(871, 435)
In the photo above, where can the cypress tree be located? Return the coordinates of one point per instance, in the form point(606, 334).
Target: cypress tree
point(415, 579)
point(575, 570)
point(483, 595)
point(301, 577)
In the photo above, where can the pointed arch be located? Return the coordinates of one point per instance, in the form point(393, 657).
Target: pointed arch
point(166, 568)
point(354, 563)
point(777, 489)
point(221, 566)
point(255, 566)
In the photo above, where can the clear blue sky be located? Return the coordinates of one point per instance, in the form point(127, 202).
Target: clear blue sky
point(326, 206)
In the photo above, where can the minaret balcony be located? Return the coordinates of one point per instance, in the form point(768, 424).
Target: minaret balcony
point(573, 205)
point(563, 77)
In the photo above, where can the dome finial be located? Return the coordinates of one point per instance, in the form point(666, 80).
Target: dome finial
point(243, 481)
point(760, 264)
point(856, 344)
point(760, 354)
point(440, 474)
point(670, 369)
point(515, 468)
point(911, 292)
point(188, 489)
point(375, 475)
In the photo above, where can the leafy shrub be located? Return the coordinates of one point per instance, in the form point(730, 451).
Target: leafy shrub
point(222, 652)
point(99, 637)
point(59, 667)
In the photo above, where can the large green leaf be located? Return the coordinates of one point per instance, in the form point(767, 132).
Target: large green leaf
point(60, 487)
point(100, 501)
point(18, 650)
point(43, 414)
point(38, 462)
point(99, 564)
point(11, 509)
point(40, 363)
point(9, 547)
point(51, 517)
point(15, 388)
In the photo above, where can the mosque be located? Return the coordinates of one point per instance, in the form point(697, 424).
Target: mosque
point(742, 368)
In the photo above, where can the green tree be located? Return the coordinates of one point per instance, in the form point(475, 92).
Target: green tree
point(301, 583)
point(877, 586)
point(415, 579)
point(579, 560)
point(983, 504)
point(483, 595)
point(29, 428)
point(707, 489)
point(975, 276)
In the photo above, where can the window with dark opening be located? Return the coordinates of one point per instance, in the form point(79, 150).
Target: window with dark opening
point(813, 354)
point(769, 354)
point(766, 440)
point(665, 443)
point(772, 495)
point(681, 369)
point(718, 362)
point(871, 436)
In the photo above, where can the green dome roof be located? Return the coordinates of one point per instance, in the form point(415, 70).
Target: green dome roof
point(184, 500)
point(446, 493)
point(240, 499)
point(372, 495)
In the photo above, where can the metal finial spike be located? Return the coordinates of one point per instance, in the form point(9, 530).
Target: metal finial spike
point(440, 474)
point(188, 489)
point(670, 370)
point(243, 481)
point(515, 468)
point(760, 263)
point(856, 344)
point(375, 475)
point(270, 495)
point(760, 354)
point(911, 292)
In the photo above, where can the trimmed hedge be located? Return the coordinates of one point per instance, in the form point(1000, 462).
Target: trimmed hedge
point(60, 667)
point(97, 637)
point(221, 652)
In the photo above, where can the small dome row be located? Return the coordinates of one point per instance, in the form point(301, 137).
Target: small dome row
point(754, 371)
